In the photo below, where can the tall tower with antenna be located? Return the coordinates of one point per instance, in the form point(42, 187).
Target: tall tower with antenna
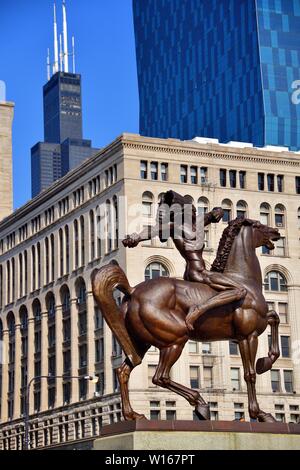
point(64, 147)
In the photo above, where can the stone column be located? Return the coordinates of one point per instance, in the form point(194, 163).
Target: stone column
point(17, 384)
point(4, 410)
point(59, 354)
point(90, 342)
point(44, 361)
point(74, 351)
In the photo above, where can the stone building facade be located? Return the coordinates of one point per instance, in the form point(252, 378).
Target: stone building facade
point(6, 196)
point(50, 325)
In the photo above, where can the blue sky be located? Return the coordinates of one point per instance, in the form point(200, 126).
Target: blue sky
point(105, 56)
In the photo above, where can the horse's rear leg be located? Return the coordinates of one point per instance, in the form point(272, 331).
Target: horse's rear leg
point(124, 372)
point(168, 357)
point(265, 363)
point(248, 349)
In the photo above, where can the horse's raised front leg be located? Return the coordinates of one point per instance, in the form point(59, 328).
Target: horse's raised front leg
point(248, 349)
point(124, 372)
point(265, 363)
point(168, 357)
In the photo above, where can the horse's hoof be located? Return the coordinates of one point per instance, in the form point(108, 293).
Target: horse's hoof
point(263, 365)
point(202, 412)
point(266, 418)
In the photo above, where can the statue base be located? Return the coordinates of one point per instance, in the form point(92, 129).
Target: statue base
point(201, 435)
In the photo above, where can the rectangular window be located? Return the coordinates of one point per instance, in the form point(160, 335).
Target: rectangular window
point(206, 348)
point(288, 381)
point(155, 414)
point(193, 347)
point(232, 178)
point(239, 415)
point(208, 377)
point(297, 182)
point(223, 178)
point(183, 173)
point(275, 380)
point(203, 175)
point(283, 312)
point(285, 346)
point(280, 417)
point(233, 348)
point(242, 176)
point(280, 180)
point(270, 179)
point(194, 176)
point(235, 378)
point(171, 415)
point(261, 181)
point(194, 377)
point(164, 171)
point(144, 172)
point(279, 220)
point(154, 171)
point(280, 247)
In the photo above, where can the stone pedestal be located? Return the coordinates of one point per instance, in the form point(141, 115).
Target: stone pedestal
point(191, 435)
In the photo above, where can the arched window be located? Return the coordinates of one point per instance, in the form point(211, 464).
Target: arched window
point(76, 244)
point(53, 254)
point(116, 222)
point(67, 249)
point(39, 265)
point(92, 235)
point(65, 299)
point(61, 252)
point(50, 304)
point(13, 275)
point(275, 282)
point(8, 282)
point(11, 324)
point(33, 268)
point(47, 260)
point(227, 208)
point(279, 215)
point(26, 272)
point(147, 203)
point(37, 310)
point(203, 205)
point(108, 226)
point(156, 270)
point(241, 209)
point(23, 317)
point(265, 213)
point(82, 241)
point(20, 275)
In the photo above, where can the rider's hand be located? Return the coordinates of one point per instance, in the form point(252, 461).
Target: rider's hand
point(217, 214)
point(130, 241)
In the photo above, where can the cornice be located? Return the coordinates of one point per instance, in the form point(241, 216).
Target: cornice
point(222, 153)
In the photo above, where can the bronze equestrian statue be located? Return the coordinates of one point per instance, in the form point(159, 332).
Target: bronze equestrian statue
point(154, 312)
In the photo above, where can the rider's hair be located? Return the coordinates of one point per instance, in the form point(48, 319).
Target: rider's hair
point(226, 243)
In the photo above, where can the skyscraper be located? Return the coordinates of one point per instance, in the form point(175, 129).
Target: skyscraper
point(223, 69)
point(64, 147)
point(6, 195)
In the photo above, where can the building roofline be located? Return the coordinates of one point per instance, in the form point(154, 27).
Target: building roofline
point(150, 143)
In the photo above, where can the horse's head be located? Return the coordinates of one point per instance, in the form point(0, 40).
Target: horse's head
point(262, 234)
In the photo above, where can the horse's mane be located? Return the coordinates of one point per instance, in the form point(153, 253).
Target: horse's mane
point(226, 243)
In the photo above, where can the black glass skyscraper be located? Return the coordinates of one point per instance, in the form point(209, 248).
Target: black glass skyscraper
point(226, 69)
point(64, 147)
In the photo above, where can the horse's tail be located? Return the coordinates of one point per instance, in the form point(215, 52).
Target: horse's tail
point(265, 363)
point(104, 281)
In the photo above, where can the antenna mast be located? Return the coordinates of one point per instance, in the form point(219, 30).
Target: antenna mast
point(60, 53)
point(65, 34)
point(55, 65)
point(48, 65)
point(73, 53)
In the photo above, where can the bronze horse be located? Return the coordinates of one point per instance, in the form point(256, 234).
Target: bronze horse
point(153, 313)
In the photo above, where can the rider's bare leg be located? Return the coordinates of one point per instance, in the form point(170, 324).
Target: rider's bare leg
point(232, 292)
